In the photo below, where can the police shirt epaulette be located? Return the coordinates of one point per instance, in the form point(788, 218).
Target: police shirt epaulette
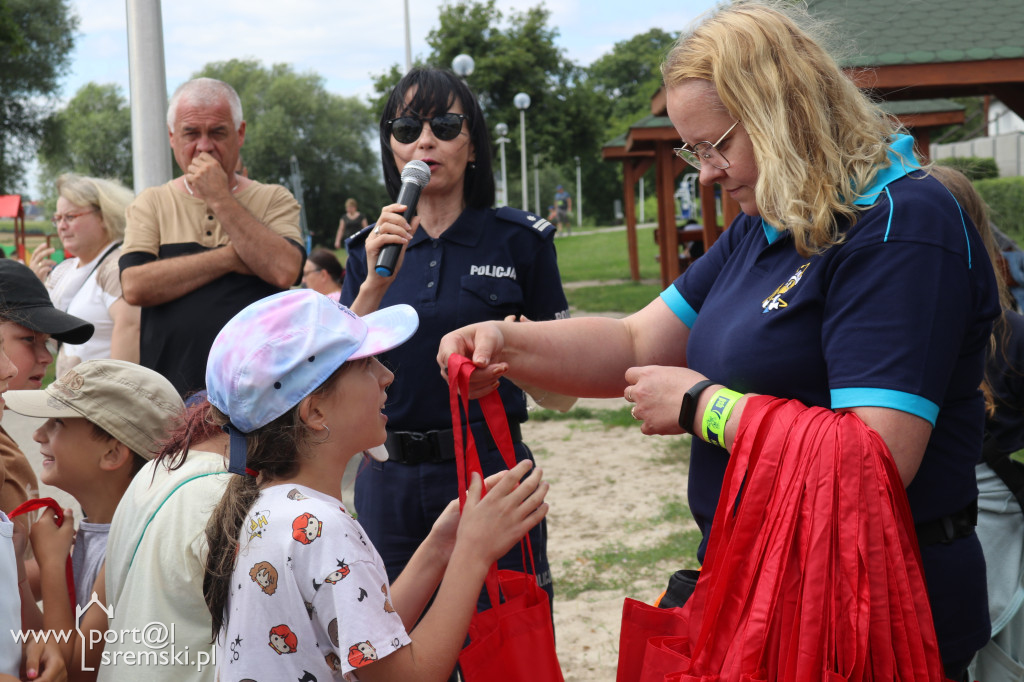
point(359, 237)
point(523, 218)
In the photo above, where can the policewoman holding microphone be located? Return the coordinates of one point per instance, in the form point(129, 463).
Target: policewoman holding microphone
point(460, 261)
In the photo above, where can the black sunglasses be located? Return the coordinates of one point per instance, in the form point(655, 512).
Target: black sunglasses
point(407, 129)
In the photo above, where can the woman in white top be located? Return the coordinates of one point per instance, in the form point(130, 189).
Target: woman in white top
point(90, 223)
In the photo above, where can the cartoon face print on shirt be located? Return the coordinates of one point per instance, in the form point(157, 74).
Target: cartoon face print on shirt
point(264, 575)
point(294, 494)
point(333, 661)
point(306, 528)
point(774, 301)
point(337, 575)
point(283, 640)
point(361, 653)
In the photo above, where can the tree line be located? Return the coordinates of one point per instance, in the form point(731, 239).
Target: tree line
point(574, 109)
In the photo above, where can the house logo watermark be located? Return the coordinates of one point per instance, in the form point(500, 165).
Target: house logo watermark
point(150, 645)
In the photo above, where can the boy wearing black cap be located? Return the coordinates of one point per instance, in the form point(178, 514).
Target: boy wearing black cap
point(28, 321)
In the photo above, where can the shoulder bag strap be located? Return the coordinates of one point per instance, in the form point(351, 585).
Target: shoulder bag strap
point(160, 506)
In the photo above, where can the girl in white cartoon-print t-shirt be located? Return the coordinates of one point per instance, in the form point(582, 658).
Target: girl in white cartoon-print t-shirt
point(314, 590)
point(295, 588)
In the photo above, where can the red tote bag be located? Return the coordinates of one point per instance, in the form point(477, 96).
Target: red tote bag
point(640, 623)
point(514, 640)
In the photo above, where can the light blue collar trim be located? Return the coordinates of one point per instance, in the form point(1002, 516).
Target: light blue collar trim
point(771, 233)
point(901, 162)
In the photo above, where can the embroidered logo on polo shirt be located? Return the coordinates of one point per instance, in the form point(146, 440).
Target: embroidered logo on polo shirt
point(774, 302)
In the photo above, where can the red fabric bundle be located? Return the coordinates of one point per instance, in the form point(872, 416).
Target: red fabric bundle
point(514, 640)
point(812, 573)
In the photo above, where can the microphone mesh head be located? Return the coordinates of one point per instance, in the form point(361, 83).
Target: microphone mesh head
point(416, 172)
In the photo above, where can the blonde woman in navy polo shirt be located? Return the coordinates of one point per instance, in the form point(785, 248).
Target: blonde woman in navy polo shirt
point(851, 281)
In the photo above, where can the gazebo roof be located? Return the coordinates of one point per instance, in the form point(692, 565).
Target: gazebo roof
point(938, 48)
point(886, 33)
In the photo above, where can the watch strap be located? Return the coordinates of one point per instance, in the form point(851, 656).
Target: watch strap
point(688, 409)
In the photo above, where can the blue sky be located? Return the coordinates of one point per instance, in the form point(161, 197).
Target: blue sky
point(345, 41)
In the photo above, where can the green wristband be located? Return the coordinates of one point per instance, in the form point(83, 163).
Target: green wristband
point(717, 414)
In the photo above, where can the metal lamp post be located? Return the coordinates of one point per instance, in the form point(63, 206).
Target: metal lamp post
point(579, 195)
point(502, 130)
point(536, 183)
point(408, 40)
point(522, 103)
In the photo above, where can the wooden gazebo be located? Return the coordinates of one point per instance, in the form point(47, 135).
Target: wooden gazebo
point(906, 54)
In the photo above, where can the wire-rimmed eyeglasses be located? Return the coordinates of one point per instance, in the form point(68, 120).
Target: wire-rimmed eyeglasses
point(706, 151)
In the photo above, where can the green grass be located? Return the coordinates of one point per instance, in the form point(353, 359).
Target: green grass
point(615, 566)
point(619, 298)
point(609, 418)
point(675, 452)
point(604, 256)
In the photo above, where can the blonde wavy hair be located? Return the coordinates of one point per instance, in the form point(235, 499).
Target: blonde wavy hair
point(109, 197)
point(818, 140)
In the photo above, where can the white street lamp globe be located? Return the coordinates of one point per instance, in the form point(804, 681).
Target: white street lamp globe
point(521, 100)
point(463, 65)
point(501, 129)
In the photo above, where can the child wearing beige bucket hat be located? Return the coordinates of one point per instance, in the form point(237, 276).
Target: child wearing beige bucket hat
point(104, 421)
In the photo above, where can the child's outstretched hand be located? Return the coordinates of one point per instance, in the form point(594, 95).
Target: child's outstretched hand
point(512, 506)
point(51, 543)
point(446, 527)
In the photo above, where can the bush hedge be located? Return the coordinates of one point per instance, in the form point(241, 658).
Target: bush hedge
point(974, 167)
point(1005, 199)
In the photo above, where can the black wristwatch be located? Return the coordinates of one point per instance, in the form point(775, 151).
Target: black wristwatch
point(688, 410)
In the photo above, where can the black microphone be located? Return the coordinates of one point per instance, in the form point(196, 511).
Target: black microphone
point(415, 177)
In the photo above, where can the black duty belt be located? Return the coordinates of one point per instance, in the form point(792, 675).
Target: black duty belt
point(415, 447)
point(953, 527)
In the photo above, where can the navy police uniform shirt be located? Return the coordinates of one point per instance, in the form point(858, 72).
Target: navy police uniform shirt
point(898, 315)
point(487, 265)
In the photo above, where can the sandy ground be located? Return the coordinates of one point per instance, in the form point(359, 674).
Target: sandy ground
point(606, 488)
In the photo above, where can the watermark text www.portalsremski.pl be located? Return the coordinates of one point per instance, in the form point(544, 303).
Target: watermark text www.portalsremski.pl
point(150, 645)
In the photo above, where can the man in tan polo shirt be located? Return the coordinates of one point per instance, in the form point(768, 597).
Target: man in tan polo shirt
point(203, 246)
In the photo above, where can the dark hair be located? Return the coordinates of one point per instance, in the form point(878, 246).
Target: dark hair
point(328, 262)
point(436, 90)
point(272, 450)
